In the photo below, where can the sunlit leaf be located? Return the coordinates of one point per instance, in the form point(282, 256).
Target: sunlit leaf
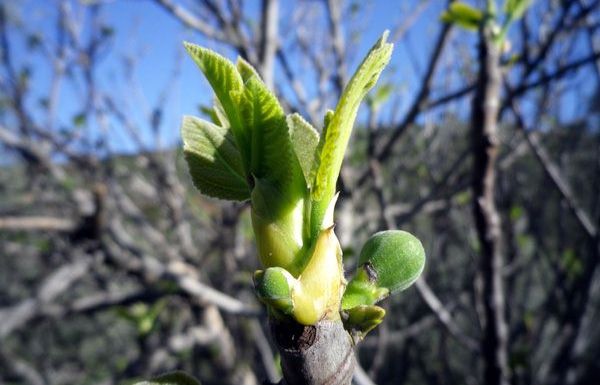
point(335, 139)
point(214, 161)
point(245, 69)
point(305, 140)
point(227, 84)
point(271, 154)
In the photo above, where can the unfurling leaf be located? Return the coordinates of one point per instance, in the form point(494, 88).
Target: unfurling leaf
point(279, 189)
point(214, 161)
point(326, 119)
point(335, 137)
point(245, 69)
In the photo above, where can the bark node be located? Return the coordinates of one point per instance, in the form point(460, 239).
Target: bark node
point(320, 354)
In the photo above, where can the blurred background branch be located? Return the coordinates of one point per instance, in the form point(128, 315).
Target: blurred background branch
point(114, 268)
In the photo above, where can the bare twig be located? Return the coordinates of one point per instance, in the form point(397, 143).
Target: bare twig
point(486, 101)
point(36, 223)
point(55, 284)
point(21, 368)
point(417, 106)
point(443, 315)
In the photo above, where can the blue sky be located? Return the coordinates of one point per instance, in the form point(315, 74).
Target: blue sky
point(144, 31)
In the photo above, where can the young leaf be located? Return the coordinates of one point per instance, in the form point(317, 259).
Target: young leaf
point(245, 69)
point(226, 82)
point(335, 140)
point(463, 15)
point(317, 160)
point(271, 154)
point(305, 140)
point(214, 161)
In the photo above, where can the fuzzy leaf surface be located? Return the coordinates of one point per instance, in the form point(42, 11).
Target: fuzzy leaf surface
point(305, 140)
point(339, 127)
point(213, 159)
point(271, 156)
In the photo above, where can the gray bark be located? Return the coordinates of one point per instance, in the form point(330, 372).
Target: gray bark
point(492, 301)
point(322, 354)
